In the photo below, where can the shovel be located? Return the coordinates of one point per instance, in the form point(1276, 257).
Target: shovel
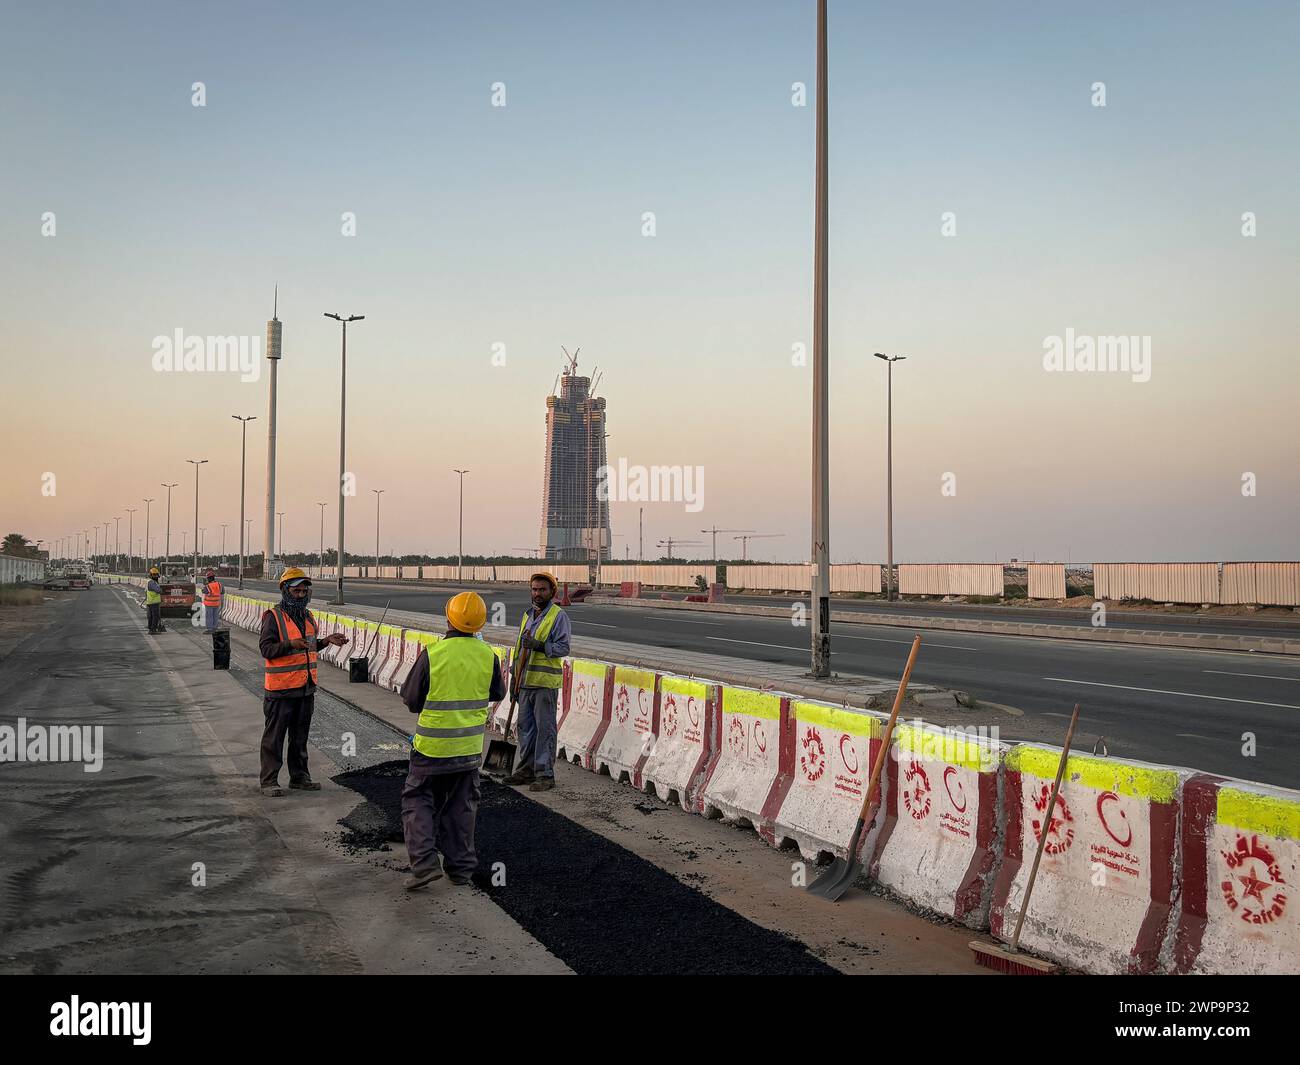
point(843, 871)
point(501, 753)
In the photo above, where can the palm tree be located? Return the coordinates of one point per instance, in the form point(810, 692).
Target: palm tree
point(15, 545)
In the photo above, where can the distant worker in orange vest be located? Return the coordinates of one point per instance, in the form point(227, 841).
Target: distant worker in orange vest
point(211, 601)
point(288, 643)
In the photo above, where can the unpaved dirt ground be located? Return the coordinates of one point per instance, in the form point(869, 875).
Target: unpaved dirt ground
point(19, 622)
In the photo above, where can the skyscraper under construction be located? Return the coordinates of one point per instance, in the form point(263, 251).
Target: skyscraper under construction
point(575, 523)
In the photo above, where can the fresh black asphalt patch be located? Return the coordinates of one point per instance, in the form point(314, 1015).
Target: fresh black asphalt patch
point(596, 906)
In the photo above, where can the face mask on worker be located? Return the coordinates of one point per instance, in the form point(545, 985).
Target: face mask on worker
point(296, 605)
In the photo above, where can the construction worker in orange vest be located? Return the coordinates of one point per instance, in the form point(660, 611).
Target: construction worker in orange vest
point(288, 643)
point(211, 601)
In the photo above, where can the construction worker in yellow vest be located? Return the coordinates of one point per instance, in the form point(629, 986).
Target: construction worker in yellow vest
point(211, 601)
point(153, 601)
point(288, 643)
point(452, 685)
point(544, 633)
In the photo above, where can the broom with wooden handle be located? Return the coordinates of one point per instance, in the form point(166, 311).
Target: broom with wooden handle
point(1009, 959)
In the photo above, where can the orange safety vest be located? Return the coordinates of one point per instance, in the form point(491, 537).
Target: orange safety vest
point(212, 593)
point(291, 670)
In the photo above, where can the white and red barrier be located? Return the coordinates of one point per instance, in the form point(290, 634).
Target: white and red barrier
point(413, 642)
point(634, 713)
point(397, 651)
point(1104, 894)
point(1241, 867)
point(937, 841)
point(346, 627)
point(743, 783)
point(585, 704)
point(387, 642)
point(679, 756)
point(834, 749)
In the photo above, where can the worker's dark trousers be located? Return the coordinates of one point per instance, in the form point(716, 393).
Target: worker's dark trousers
point(438, 812)
point(154, 613)
point(537, 707)
point(286, 714)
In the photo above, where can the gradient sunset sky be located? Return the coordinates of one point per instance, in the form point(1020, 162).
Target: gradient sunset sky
point(522, 225)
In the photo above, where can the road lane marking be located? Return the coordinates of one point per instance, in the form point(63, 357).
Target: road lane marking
point(1261, 676)
point(597, 624)
point(685, 621)
point(1162, 691)
point(906, 643)
point(754, 643)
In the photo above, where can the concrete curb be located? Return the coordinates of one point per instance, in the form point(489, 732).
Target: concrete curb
point(1143, 637)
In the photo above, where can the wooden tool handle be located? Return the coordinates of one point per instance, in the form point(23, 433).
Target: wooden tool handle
point(1047, 824)
point(889, 729)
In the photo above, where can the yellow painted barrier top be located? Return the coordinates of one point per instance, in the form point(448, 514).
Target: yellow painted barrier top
point(634, 678)
point(684, 686)
point(952, 746)
point(838, 718)
point(590, 669)
point(1104, 774)
point(753, 703)
point(1256, 811)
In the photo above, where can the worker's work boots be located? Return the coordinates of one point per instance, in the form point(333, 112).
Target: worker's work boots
point(521, 776)
point(422, 878)
point(542, 784)
point(304, 785)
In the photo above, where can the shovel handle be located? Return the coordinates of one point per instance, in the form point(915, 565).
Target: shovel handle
point(1047, 824)
point(889, 730)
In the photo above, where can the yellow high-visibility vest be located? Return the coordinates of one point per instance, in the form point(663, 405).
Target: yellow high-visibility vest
point(452, 724)
point(543, 671)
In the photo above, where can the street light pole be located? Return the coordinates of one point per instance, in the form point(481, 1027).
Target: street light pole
point(821, 570)
point(378, 492)
point(343, 404)
point(891, 584)
point(169, 488)
point(320, 569)
point(117, 542)
point(460, 536)
point(243, 455)
point(196, 463)
point(148, 509)
point(280, 552)
point(130, 538)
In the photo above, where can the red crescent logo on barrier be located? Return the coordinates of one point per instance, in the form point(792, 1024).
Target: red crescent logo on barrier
point(1101, 812)
point(736, 737)
point(621, 709)
point(693, 711)
point(812, 759)
point(670, 716)
point(1261, 901)
point(760, 737)
point(849, 757)
point(916, 795)
point(948, 775)
point(642, 707)
point(1060, 830)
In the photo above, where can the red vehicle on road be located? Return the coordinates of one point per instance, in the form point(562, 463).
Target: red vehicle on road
point(178, 589)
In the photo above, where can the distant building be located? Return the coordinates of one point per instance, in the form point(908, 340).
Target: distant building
point(575, 523)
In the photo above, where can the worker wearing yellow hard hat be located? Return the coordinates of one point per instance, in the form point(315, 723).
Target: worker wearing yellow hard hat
point(288, 641)
point(153, 601)
point(544, 635)
point(452, 686)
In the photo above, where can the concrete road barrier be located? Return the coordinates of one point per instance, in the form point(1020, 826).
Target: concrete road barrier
point(1238, 911)
point(585, 700)
point(748, 761)
point(938, 844)
point(1105, 889)
point(675, 766)
point(633, 716)
point(834, 749)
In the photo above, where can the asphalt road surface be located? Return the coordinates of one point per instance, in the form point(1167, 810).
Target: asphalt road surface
point(1177, 707)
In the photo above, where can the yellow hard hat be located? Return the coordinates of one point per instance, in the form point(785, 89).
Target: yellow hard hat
point(546, 577)
point(293, 573)
point(467, 611)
